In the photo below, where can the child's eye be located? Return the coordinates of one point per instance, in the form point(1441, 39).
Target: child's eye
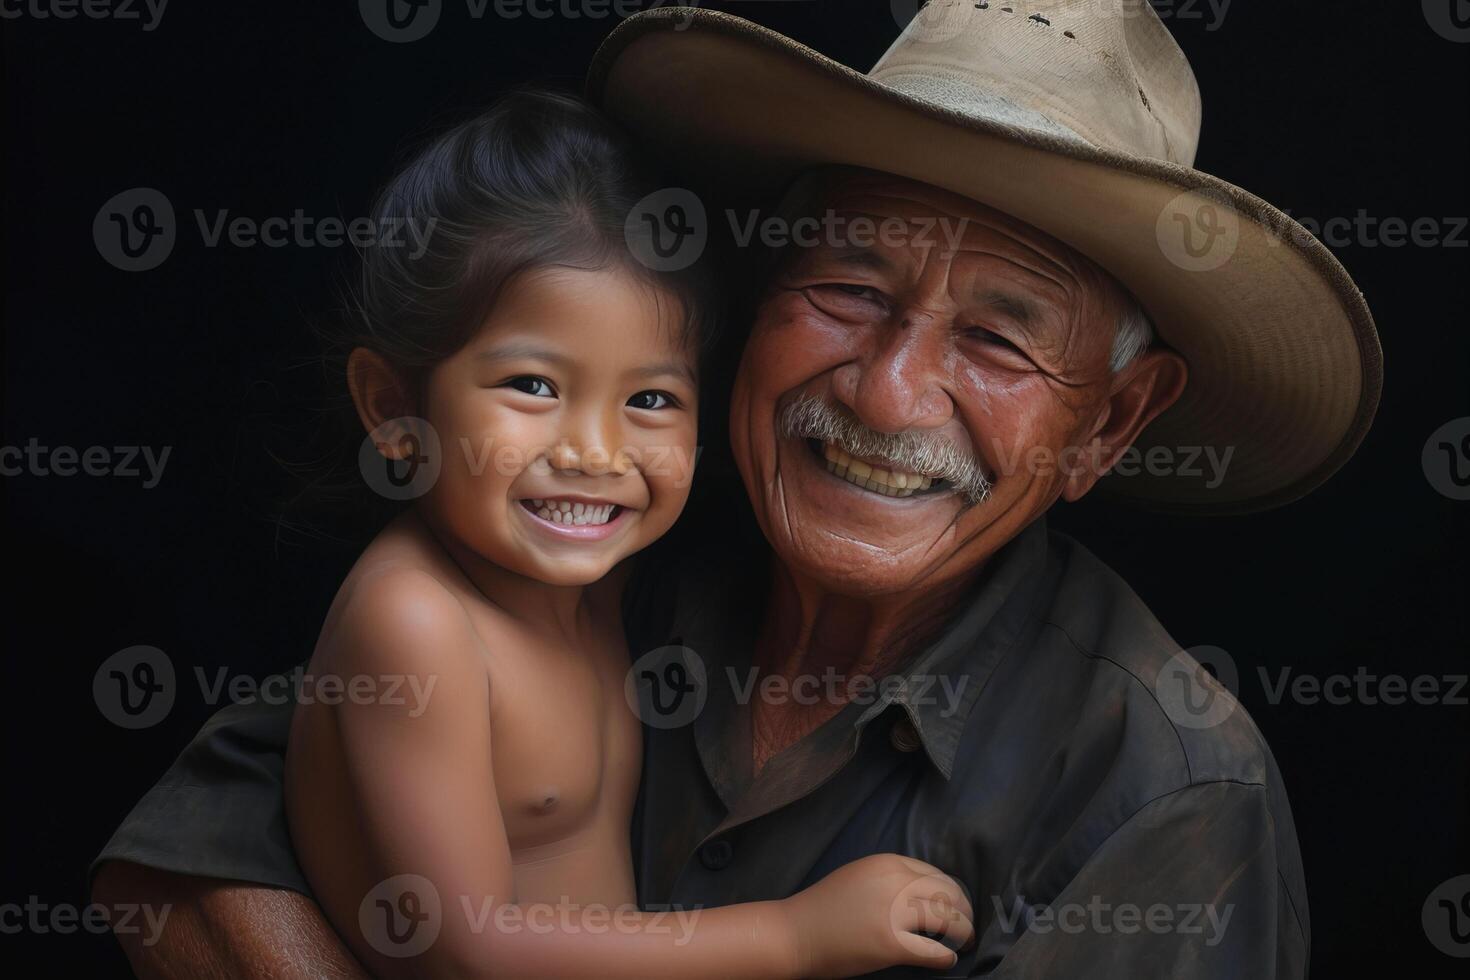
point(532, 385)
point(652, 399)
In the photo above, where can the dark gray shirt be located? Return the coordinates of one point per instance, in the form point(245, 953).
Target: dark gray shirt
point(1109, 807)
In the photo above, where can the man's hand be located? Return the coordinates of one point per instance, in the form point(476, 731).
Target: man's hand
point(223, 929)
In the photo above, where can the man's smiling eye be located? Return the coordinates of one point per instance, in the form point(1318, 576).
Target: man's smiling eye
point(992, 339)
point(532, 385)
point(847, 300)
point(652, 400)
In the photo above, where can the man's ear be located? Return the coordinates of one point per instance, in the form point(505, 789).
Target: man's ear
point(1137, 395)
point(382, 395)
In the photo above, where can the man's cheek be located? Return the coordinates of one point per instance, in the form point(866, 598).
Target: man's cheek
point(796, 342)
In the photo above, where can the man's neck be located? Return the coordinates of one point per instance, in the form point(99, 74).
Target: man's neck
point(812, 632)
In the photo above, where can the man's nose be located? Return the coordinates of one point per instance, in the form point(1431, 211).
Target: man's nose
point(898, 383)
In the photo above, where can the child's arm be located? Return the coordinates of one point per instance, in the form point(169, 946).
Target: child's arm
point(423, 792)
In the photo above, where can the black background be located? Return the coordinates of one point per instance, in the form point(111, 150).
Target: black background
point(1321, 108)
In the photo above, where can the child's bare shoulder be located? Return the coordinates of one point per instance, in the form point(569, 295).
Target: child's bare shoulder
point(401, 609)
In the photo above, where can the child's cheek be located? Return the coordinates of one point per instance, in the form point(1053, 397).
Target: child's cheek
point(671, 478)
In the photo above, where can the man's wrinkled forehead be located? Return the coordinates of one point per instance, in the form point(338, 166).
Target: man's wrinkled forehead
point(942, 220)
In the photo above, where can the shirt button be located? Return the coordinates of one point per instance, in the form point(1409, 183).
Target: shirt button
point(717, 854)
point(903, 736)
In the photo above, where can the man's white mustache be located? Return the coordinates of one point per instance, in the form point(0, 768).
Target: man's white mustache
point(911, 451)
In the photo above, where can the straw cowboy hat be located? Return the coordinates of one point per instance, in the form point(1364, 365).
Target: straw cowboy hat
point(1081, 118)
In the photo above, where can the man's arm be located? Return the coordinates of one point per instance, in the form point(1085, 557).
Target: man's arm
point(1188, 886)
point(222, 929)
point(206, 852)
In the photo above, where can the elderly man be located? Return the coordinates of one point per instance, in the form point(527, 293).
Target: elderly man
point(910, 661)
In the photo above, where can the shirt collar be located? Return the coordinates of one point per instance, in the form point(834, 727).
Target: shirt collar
point(938, 688)
point(941, 684)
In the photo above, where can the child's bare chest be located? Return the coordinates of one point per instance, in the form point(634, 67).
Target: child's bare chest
point(565, 745)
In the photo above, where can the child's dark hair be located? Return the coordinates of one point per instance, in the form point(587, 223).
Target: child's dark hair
point(539, 179)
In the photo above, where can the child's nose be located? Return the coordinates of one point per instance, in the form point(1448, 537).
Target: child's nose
point(591, 459)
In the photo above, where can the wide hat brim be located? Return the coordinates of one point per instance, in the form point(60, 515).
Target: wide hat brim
point(1285, 365)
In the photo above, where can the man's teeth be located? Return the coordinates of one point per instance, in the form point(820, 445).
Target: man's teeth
point(890, 483)
point(566, 512)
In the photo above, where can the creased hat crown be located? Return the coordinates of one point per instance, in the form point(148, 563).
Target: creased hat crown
point(1106, 72)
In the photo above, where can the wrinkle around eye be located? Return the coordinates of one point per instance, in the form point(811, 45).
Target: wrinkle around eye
point(848, 301)
point(1000, 349)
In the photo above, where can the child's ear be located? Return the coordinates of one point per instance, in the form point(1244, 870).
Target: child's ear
point(381, 395)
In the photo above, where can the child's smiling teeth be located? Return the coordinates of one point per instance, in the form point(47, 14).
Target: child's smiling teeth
point(890, 483)
point(567, 512)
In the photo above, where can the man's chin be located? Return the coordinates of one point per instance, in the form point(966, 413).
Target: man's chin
point(847, 569)
point(854, 541)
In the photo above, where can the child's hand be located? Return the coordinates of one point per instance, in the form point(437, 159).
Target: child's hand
point(869, 914)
